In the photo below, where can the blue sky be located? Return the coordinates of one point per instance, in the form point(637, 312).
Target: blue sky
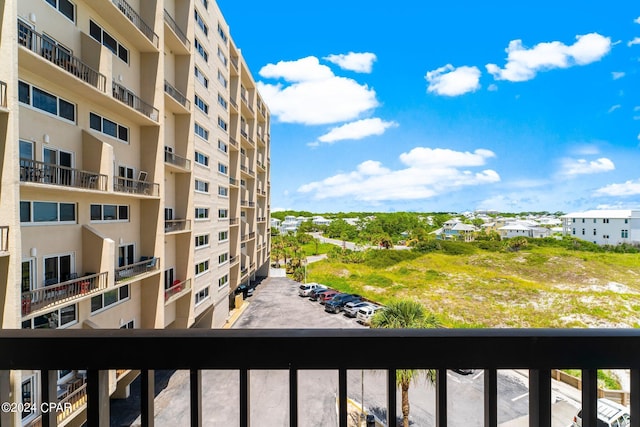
point(392, 106)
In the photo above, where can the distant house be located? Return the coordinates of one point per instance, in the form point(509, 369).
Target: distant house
point(290, 224)
point(319, 220)
point(604, 227)
point(454, 229)
point(525, 228)
point(275, 222)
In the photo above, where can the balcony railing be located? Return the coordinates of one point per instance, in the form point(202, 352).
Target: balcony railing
point(35, 42)
point(3, 94)
point(234, 221)
point(233, 142)
point(173, 225)
point(176, 289)
point(176, 29)
point(72, 401)
point(47, 173)
point(128, 185)
point(176, 160)
point(127, 97)
point(177, 95)
point(538, 350)
point(133, 16)
point(233, 102)
point(53, 293)
point(129, 271)
point(4, 238)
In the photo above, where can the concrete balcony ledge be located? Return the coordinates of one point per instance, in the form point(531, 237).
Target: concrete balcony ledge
point(176, 291)
point(137, 270)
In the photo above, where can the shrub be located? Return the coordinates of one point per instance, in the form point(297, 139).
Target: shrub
point(457, 248)
point(386, 258)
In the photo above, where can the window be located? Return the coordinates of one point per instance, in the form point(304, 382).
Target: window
point(222, 124)
point(201, 104)
point(202, 240)
point(201, 132)
point(202, 295)
point(222, 146)
point(222, 34)
point(223, 280)
point(222, 79)
point(583, 220)
point(109, 212)
point(201, 77)
point(107, 40)
point(222, 258)
point(47, 212)
point(128, 325)
point(202, 159)
point(202, 186)
point(202, 213)
point(28, 390)
point(109, 298)
point(223, 236)
point(222, 56)
point(605, 221)
point(169, 277)
point(108, 127)
point(223, 213)
point(583, 231)
point(202, 267)
point(201, 50)
point(59, 318)
point(206, 4)
point(126, 255)
point(223, 191)
point(26, 150)
point(65, 7)
point(624, 234)
point(200, 22)
point(223, 169)
point(44, 101)
point(222, 102)
point(595, 232)
point(574, 231)
point(626, 221)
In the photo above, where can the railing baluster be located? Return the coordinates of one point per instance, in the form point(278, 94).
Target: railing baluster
point(441, 398)
point(589, 397)
point(540, 398)
point(147, 395)
point(245, 391)
point(293, 397)
point(48, 393)
point(195, 387)
point(490, 398)
point(342, 397)
point(391, 397)
point(97, 398)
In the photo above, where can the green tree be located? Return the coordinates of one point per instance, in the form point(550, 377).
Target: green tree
point(406, 314)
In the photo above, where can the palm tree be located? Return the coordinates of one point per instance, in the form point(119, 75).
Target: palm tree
point(400, 315)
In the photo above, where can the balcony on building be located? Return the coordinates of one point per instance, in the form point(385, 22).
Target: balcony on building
point(63, 67)
point(137, 270)
point(247, 108)
point(177, 163)
point(36, 172)
point(177, 289)
point(127, 97)
point(178, 102)
point(138, 186)
point(127, 20)
point(175, 39)
point(54, 294)
point(172, 226)
point(233, 142)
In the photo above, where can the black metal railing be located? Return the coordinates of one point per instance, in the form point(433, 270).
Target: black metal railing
point(133, 16)
point(4, 238)
point(176, 29)
point(174, 159)
point(178, 288)
point(128, 185)
point(3, 94)
point(125, 96)
point(177, 95)
point(52, 293)
point(538, 350)
point(47, 173)
point(51, 52)
point(173, 225)
point(129, 271)
point(233, 141)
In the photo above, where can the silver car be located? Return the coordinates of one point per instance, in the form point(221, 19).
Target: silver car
point(351, 308)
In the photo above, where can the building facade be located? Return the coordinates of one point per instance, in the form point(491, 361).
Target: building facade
point(604, 227)
point(134, 186)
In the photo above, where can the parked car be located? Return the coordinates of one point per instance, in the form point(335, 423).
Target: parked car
point(326, 296)
point(336, 304)
point(610, 414)
point(366, 313)
point(245, 290)
point(314, 295)
point(306, 288)
point(351, 308)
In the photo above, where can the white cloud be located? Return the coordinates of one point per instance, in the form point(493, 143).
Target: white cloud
point(574, 167)
point(451, 81)
point(617, 75)
point(637, 20)
point(492, 87)
point(628, 188)
point(636, 40)
point(524, 63)
point(357, 130)
point(313, 95)
point(428, 172)
point(358, 62)
point(614, 108)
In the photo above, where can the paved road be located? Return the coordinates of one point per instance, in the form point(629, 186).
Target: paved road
point(275, 304)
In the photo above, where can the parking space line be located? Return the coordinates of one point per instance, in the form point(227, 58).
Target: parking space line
point(478, 375)
point(520, 397)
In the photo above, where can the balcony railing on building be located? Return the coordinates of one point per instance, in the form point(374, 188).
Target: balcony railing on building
point(73, 399)
point(133, 16)
point(130, 271)
point(175, 225)
point(234, 221)
point(53, 293)
point(128, 185)
point(176, 29)
point(177, 95)
point(233, 181)
point(3, 94)
point(233, 141)
point(176, 160)
point(177, 288)
point(47, 173)
point(4, 239)
point(127, 97)
point(233, 102)
point(44, 47)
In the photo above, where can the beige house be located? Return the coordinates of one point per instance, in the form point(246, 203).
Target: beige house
point(134, 171)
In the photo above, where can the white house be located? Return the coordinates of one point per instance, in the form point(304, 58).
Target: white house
point(319, 220)
point(604, 227)
point(526, 228)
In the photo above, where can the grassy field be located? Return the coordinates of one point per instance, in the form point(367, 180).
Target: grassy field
point(536, 287)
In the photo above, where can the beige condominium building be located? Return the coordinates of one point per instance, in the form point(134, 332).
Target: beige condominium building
point(134, 165)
